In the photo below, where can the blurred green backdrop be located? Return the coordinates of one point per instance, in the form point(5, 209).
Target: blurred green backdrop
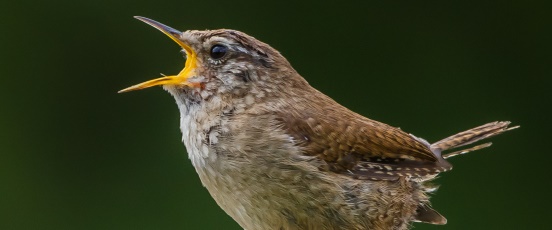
point(74, 154)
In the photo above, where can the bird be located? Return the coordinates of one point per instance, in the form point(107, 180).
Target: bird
point(275, 153)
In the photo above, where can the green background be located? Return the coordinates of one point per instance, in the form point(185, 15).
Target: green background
point(74, 154)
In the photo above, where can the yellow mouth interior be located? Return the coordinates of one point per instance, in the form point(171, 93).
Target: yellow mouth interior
point(189, 67)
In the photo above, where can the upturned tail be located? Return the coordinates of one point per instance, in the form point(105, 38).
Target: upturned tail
point(425, 213)
point(471, 136)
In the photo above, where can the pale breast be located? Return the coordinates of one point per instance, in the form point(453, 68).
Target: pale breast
point(257, 174)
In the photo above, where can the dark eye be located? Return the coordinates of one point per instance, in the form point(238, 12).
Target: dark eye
point(218, 51)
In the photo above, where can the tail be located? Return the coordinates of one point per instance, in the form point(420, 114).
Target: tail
point(426, 214)
point(471, 136)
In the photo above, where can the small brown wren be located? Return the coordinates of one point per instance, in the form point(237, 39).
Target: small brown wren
point(275, 153)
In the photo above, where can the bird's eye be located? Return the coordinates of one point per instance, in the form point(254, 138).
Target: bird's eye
point(218, 51)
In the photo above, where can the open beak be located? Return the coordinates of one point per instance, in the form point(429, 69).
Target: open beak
point(189, 67)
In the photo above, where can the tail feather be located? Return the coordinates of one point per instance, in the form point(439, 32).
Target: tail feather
point(464, 151)
point(426, 214)
point(472, 136)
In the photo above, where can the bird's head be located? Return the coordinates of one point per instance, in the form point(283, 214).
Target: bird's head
point(224, 63)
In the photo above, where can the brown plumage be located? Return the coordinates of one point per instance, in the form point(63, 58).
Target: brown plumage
point(276, 153)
